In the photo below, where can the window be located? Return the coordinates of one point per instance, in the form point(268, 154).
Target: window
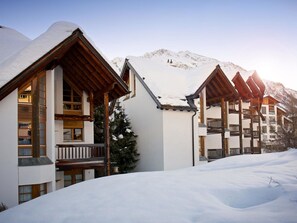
point(73, 130)
point(271, 110)
point(32, 119)
point(29, 192)
point(264, 129)
point(72, 177)
point(271, 120)
point(264, 110)
point(131, 82)
point(72, 100)
point(272, 129)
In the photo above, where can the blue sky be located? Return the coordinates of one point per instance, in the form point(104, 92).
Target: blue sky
point(258, 35)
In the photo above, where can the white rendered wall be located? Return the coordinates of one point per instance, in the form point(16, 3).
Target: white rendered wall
point(36, 174)
point(177, 135)
point(213, 112)
point(213, 141)
point(8, 150)
point(146, 121)
point(89, 174)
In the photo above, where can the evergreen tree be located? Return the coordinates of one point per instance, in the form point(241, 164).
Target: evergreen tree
point(123, 152)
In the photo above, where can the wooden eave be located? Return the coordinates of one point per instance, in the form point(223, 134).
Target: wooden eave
point(253, 86)
point(217, 86)
point(82, 65)
point(259, 83)
point(271, 100)
point(242, 88)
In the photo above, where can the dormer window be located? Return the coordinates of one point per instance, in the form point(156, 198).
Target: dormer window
point(131, 82)
point(72, 100)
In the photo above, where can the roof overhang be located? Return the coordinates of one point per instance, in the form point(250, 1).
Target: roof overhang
point(217, 87)
point(242, 87)
point(82, 65)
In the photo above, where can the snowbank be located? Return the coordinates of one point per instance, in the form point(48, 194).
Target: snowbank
point(247, 188)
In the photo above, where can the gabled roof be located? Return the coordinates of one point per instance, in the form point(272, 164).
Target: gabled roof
point(242, 87)
point(217, 86)
point(63, 44)
point(171, 87)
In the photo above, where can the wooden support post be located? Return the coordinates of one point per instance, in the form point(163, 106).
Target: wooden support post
point(223, 126)
point(259, 126)
point(240, 126)
point(35, 119)
point(202, 121)
point(91, 106)
point(107, 138)
point(226, 126)
point(202, 145)
point(252, 130)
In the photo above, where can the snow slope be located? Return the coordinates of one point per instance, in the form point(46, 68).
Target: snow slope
point(240, 189)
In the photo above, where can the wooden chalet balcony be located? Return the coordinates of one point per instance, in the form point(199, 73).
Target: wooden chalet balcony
point(247, 150)
point(247, 132)
point(232, 109)
point(234, 130)
point(214, 154)
point(255, 118)
point(246, 114)
point(256, 134)
point(80, 155)
point(234, 151)
point(214, 125)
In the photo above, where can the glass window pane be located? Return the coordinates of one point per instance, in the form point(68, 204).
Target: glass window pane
point(25, 189)
point(26, 151)
point(67, 134)
point(77, 134)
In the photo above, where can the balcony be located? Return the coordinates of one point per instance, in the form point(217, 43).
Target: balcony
point(80, 155)
point(214, 125)
point(247, 132)
point(233, 109)
point(246, 114)
point(234, 151)
point(214, 154)
point(234, 130)
point(256, 134)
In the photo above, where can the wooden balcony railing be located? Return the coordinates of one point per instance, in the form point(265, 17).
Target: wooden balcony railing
point(234, 151)
point(215, 154)
point(79, 151)
point(214, 125)
point(234, 130)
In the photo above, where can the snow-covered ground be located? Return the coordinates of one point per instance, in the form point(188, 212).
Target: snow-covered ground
point(247, 188)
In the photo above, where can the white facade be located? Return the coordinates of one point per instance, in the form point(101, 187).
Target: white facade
point(164, 136)
point(9, 150)
point(10, 170)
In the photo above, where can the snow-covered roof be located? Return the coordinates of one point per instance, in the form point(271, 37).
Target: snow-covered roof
point(235, 189)
point(33, 50)
point(11, 41)
point(169, 84)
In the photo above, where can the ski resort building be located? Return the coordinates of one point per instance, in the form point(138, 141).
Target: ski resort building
point(185, 116)
point(48, 90)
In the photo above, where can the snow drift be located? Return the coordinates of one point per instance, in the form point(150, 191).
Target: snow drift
point(247, 188)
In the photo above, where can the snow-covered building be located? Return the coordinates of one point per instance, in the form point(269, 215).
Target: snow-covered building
point(48, 89)
point(275, 118)
point(184, 111)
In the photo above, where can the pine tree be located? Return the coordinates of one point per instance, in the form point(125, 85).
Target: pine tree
point(123, 141)
point(123, 152)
